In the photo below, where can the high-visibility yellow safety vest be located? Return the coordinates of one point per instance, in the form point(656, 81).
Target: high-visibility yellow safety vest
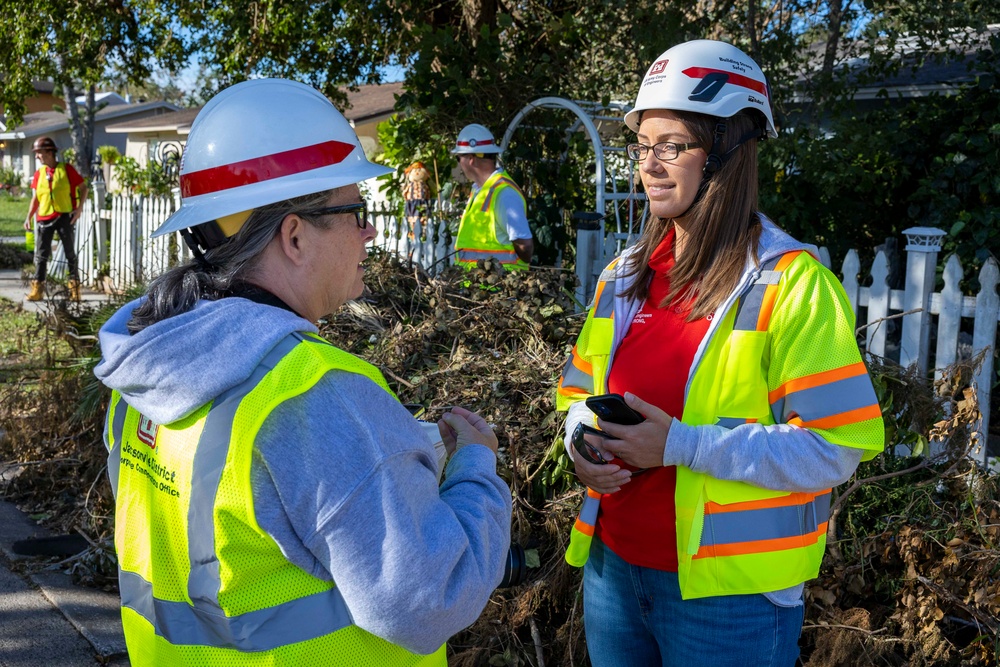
point(55, 197)
point(477, 233)
point(733, 537)
point(201, 582)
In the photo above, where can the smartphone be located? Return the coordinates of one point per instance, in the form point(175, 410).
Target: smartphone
point(612, 408)
point(587, 450)
point(415, 409)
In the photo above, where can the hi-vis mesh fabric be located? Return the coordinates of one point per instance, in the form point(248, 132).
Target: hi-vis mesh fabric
point(202, 583)
point(477, 235)
point(784, 353)
point(57, 197)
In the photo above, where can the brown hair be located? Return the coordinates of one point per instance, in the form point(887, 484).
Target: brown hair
point(725, 225)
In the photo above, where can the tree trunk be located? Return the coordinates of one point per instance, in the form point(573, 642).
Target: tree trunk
point(81, 127)
point(836, 16)
point(476, 14)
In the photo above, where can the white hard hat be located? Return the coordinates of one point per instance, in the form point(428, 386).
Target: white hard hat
point(261, 142)
point(475, 138)
point(707, 77)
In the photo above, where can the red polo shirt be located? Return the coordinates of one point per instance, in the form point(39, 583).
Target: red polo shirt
point(652, 362)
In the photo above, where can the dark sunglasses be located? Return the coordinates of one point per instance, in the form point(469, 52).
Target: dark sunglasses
point(360, 211)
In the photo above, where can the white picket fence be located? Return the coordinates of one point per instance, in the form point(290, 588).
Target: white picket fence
point(116, 242)
point(131, 257)
point(428, 242)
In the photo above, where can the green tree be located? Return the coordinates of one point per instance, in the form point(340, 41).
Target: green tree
point(78, 44)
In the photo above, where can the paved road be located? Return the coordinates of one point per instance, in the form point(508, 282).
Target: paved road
point(44, 618)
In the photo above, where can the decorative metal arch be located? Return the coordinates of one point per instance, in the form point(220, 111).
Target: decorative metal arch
point(585, 120)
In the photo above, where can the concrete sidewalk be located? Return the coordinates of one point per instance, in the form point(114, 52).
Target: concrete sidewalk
point(15, 288)
point(45, 619)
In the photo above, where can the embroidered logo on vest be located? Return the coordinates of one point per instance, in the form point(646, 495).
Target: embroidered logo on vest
point(147, 431)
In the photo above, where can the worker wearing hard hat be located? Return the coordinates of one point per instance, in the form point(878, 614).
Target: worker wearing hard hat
point(742, 395)
point(274, 502)
point(57, 196)
point(495, 222)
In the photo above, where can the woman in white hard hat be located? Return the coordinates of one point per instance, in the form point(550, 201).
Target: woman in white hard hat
point(736, 347)
point(275, 503)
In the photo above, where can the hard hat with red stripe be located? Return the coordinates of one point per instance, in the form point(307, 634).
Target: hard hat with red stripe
point(261, 142)
point(475, 138)
point(707, 77)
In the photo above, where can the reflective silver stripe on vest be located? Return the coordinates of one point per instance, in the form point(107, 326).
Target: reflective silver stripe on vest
point(748, 310)
point(766, 524)
point(574, 377)
point(730, 422)
point(832, 398)
point(588, 512)
point(606, 306)
point(503, 256)
point(116, 428)
point(205, 623)
point(262, 630)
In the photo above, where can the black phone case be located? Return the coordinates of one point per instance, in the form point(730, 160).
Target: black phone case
point(612, 408)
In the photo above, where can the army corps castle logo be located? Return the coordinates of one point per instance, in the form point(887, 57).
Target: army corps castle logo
point(147, 431)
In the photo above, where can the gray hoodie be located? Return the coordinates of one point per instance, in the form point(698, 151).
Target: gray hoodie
point(343, 478)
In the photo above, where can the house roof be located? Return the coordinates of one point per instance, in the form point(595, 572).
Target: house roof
point(174, 121)
point(367, 103)
point(924, 68)
point(42, 122)
point(107, 98)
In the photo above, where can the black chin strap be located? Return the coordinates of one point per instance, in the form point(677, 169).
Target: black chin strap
point(715, 159)
point(192, 243)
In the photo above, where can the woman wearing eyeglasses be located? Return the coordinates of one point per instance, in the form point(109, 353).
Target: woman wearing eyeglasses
point(275, 503)
point(738, 348)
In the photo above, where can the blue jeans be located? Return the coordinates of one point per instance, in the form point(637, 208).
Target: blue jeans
point(634, 616)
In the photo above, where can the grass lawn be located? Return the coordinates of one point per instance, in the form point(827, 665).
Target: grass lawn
point(12, 213)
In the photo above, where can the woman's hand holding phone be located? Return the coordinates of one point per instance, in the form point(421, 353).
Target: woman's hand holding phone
point(640, 445)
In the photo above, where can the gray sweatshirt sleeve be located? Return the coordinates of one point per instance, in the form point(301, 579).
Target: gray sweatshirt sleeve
point(780, 457)
point(346, 483)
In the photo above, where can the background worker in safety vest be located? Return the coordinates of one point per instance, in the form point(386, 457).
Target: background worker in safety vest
point(275, 503)
point(58, 194)
point(495, 222)
point(738, 348)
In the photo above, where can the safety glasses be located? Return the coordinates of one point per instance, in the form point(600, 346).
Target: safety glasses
point(360, 211)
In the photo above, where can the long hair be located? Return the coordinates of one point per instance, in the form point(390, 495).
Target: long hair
point(724, 225)
point(177, 290)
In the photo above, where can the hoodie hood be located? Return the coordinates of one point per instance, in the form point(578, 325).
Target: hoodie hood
point(171, 368)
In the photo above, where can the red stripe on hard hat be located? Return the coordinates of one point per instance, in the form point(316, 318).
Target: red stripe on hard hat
point(735, 79)
point(484, 142)
point(264, 168)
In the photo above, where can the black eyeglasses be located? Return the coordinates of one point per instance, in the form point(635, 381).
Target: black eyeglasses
point(360, 211)
point(665, 150)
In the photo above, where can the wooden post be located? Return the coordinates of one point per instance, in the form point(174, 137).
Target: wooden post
point(984, 337)
point(923, 245)
point(879, 297)
point(589, 250)
point(851, 268)
point(949, 317)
